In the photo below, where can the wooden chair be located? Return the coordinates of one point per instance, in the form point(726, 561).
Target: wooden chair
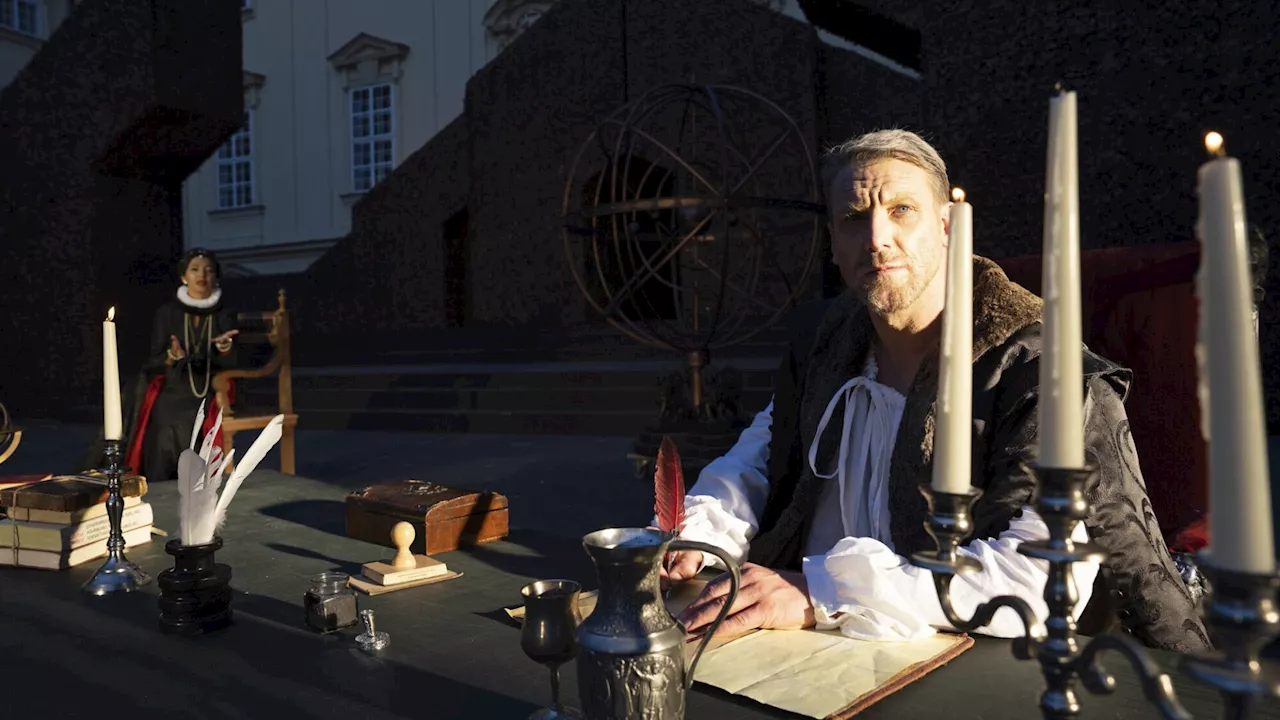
point(267, 329)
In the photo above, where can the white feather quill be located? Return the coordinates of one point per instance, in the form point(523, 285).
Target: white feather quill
point(267, 439)
point(207, 501)
point(201, 510)
point(222, 467)
point(206, 447)
point(195, 429)
point(191, 471)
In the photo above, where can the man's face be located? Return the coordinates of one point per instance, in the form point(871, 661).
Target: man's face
point(888, 233)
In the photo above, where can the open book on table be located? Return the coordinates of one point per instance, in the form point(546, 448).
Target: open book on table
point(818, 673)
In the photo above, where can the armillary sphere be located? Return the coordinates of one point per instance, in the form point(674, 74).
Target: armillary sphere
point(692, 218)
point(10, 436)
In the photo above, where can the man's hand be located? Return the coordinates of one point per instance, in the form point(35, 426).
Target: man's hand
point(772, 599)
point(684, 565)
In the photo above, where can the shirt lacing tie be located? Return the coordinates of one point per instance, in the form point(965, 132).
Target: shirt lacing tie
point(878, 428)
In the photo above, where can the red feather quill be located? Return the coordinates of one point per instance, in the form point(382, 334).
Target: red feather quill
point(668, 488)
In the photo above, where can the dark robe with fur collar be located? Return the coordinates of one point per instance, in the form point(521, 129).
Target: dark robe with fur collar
point(1150, 598)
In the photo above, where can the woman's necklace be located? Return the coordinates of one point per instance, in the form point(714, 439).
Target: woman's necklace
point(208, 343)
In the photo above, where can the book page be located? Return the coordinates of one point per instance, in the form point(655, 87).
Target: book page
point(816, 673)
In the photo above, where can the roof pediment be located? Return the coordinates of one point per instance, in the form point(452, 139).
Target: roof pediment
point(507, 19)
point(364, 48)
point(252, 88)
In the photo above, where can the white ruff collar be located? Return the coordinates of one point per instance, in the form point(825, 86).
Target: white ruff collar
point(185, 298)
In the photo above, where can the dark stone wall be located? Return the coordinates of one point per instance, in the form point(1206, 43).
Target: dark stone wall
point(388, 273)
point(96, 135)
point(533, 107)
point(1150, 78)
point(673, 42)
point(528, 110)
point(858, 96)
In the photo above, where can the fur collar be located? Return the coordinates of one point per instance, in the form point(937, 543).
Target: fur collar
point(843, 340)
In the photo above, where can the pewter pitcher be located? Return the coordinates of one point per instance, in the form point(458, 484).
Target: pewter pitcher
point(631, 660)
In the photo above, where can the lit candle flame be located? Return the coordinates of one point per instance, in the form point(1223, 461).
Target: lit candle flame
point(1213, 142)
point(111, 314)
point(957, 194)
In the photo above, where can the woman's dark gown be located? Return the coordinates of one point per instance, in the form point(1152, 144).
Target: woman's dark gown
point(173, 415)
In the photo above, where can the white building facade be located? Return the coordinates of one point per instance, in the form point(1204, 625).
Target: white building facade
point(24, 26)
point(336, 94)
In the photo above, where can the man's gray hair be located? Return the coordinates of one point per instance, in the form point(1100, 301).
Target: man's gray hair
point(892, 144)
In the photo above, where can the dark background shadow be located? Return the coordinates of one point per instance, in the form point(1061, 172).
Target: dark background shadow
point(265, 665)
point(345, 566)
point(325, 515)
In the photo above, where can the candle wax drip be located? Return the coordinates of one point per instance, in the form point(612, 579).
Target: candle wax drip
point(944, 394)
point(1202, 349)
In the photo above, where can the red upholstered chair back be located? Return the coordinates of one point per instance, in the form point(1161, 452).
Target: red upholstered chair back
point(1140, 310)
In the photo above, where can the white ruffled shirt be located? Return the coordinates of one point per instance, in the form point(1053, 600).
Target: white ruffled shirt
point(857, 583)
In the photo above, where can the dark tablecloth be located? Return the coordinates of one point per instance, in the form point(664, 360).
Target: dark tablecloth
point(453, 652)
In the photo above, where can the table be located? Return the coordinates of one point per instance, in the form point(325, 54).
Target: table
point(453, 652)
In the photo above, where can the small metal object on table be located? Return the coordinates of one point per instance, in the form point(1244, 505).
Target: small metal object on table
point(372, 639)
point(117, 574)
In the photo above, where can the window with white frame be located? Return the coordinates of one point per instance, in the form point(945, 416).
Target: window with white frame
point(21, 15)
point(235, 168)
point(372, 132)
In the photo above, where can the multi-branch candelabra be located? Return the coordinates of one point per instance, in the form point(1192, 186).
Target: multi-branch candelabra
point(117, 574)
point(1240, 613)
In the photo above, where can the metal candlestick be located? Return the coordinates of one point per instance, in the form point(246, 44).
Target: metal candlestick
point(117, 574)
point(1241, 615)
point(1061, 505)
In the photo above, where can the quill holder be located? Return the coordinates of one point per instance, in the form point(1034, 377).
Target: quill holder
point(117, 574)
point(195, 594)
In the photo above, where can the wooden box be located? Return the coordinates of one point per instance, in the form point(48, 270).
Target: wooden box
point(445, 518)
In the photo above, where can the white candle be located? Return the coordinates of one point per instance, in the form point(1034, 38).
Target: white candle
point(111, 422)
point(1061, 405)
point(952, 440)
point(1240, 530)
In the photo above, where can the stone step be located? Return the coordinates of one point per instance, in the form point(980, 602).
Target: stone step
point(525, 400)
point(508, 376)
point(490, 345)
point(492, 422)
point(571, 398)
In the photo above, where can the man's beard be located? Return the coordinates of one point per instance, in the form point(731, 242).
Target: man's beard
point(890, 294)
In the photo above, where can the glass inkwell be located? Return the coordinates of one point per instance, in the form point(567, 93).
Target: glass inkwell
point(330, 604)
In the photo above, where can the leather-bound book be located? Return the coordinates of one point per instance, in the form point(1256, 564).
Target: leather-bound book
point(68, 493)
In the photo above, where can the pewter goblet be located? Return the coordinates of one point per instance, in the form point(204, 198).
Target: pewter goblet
point(549, 634)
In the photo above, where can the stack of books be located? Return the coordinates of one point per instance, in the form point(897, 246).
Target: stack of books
point(61, 521)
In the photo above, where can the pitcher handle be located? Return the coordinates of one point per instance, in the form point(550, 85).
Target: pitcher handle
point(735, 579)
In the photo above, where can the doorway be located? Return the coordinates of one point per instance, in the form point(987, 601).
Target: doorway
point(455, 269)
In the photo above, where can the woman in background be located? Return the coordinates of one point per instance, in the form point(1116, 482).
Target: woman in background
point(192, 339)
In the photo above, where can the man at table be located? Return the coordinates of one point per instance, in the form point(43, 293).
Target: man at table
point(819, 495)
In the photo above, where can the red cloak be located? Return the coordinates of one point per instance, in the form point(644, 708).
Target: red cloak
point(133, 459)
